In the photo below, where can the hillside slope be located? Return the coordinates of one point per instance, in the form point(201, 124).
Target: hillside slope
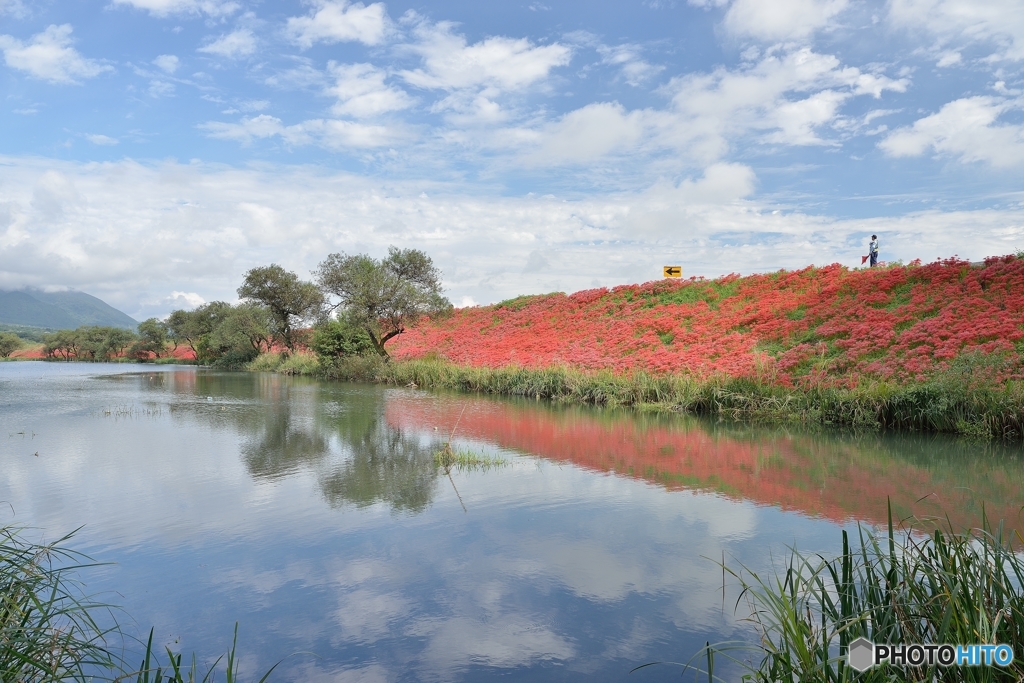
point(828, 325)
point(59, 310)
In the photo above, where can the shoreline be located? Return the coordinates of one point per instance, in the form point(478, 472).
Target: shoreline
point(944, 404)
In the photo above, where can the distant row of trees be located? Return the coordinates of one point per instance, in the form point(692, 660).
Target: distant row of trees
point(355, 305)
point(93, 342)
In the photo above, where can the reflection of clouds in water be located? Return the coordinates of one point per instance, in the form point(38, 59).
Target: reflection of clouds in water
point(364, 615)
point(314, 673)
point(433, 590)
point(505, 641)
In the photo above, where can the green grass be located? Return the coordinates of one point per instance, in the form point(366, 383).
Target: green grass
point(900, 587)
point(962, 400)
point(466, 461)
point(51, 631)
point(48, 626)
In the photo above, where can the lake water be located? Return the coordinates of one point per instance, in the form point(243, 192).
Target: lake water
point(313, 515)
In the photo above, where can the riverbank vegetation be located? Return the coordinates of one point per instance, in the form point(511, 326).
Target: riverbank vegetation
point(898, 588)
point(936, 347)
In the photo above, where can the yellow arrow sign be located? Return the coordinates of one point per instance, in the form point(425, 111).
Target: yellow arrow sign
point(673, 271)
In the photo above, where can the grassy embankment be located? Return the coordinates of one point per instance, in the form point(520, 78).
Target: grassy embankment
point(933, 348)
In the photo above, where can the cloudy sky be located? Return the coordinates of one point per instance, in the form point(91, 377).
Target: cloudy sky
point(154, 150)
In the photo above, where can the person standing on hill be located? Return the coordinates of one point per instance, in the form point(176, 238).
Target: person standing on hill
point(873, 250)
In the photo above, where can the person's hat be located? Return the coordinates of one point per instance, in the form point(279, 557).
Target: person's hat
point(874, 237)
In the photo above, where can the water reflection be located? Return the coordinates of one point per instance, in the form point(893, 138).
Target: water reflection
point(386, 464)
point(292, 424)
point(591, 554)
point(835, 476)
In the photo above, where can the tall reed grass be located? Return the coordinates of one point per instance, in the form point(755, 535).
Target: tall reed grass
point(48, 625)
point(51, 631)
point(901, 587)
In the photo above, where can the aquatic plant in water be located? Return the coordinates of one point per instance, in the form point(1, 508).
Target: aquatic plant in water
point(900, 588)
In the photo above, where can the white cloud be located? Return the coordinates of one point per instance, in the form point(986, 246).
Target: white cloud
point(721, 183)
point(591, 132)
point(186, 300)
point(796, 122)
point(13, 7)
point(999, 24)
point(50, 57)
point(787, 98)
point(773, 20)
point(124, 227)
point(333, 21)
point(634, 69)
point(329, 133)
point(239, 43)
point(98, 139)
point(361, 91)
point(508, 64)
point(158, 88)
point(712, 109)
point(167, 63)
point(966, 129)
point(163, 8)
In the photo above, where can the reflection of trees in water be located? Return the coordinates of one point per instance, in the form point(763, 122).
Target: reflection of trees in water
point(386, 465)
point(284, 444)
point(382, 464)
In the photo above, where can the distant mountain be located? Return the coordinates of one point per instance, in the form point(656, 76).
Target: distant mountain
point(59, 310)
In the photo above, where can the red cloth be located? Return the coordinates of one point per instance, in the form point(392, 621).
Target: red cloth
point(863, 260)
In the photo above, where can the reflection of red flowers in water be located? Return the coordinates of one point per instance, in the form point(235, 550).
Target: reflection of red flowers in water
point(813, 325)
point(835, 480)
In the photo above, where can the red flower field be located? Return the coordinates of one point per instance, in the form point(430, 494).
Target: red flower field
point(828, 325)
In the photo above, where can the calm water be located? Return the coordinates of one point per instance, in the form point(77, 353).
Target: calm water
point(313, 515)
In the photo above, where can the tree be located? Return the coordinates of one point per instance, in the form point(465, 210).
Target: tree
point(384, 296)
point(241, 336)
point(339, 338)
point(253, 323)
point(9, 343)
point(92, 341)
point(118, 339)
point(291, 301)
point(190, 327)
point(152, 338)
point(63, 343)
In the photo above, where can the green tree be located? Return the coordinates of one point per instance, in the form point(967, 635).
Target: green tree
point(192, 327)
point(384, 296)
point(118, 339)
point(243, 334)
point(64, 344)
point(92, 341)
point(9, 343)
point(152, 339)
point(291, 301)
point(341, 337)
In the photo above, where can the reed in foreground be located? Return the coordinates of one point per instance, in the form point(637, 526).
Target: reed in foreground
point(51, 631)
point(958, 588)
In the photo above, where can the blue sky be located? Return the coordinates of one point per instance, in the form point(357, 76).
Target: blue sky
point(154, 150)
